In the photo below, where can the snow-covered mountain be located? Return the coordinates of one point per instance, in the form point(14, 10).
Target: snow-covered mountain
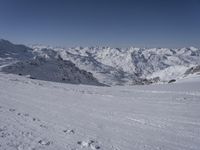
point(21, 60)
point(14, 51)
point(110, 66)
point(132, 65)
point(42, 115)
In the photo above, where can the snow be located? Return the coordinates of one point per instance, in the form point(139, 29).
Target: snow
point(39, 115)
point(173, 72)
point(114, 66)
point(108, 65)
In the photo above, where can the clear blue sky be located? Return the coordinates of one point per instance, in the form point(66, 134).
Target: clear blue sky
point(117, 23)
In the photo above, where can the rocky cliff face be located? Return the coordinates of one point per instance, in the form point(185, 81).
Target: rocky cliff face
point(49, 67)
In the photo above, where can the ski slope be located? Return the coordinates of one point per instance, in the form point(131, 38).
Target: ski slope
point(41, 115)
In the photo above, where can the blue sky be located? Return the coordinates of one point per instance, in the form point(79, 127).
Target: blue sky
point(117, 23)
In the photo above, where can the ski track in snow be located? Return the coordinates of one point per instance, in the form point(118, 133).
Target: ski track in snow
point(37, 115)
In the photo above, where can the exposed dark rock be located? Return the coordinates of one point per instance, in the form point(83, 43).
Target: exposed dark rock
point(56, 70)
point(192, 70)
point(171, 81)
point(150, 81)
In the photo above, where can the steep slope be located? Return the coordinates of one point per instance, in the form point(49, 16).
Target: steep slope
point(195, 70)
point(55, 70)
point(169, 73)
point(10, 52)
point(44, 65)
point(138, 60)
point(134, 64)
point(14, 51)
point(105, 73)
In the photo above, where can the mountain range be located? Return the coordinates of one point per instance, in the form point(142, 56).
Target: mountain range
point(99, 65)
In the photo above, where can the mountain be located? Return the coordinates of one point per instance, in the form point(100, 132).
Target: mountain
point(95, 65)
point(14, 51)
point(195, 70)
point(133, 65)
point(21, 60)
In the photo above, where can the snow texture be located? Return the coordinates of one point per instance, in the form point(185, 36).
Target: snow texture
point(39, 115)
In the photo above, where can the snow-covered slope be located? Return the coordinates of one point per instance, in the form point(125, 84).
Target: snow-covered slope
point(110, 66)
point(45, 64)
point(172, 72)
point(132, 64)
point(53, 116)
point(8, 49)
point(10, 53)
point(129, 66)
point(195, 70)
point(103, 72)
point(55, 70)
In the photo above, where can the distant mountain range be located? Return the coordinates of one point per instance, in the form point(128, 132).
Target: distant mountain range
point(99, 65)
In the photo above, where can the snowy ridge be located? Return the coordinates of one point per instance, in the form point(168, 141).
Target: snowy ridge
point(110, 66)
point(132, 65)
point(42, 64)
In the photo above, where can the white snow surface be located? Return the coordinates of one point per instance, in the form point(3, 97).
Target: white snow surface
point(172, 72)
point(41, 115)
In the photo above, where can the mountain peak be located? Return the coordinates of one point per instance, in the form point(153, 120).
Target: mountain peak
point(112, 66)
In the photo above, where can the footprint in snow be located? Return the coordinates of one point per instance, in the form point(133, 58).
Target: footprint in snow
point(19, 114)
point(69, 131)
point(36, 119)
point(45, 142)
point(26, 115)
point(23, 115)
point(27, 134)
point(4, 134)
point(12, 110)
point(89, 144)
point(43, 126)
point(3, 128)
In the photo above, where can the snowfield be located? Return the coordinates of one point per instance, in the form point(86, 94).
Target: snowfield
point(37, 115)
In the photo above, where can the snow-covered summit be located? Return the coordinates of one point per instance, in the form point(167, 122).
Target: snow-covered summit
point(42, 63)
point(116, 66)
point(135, 62)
